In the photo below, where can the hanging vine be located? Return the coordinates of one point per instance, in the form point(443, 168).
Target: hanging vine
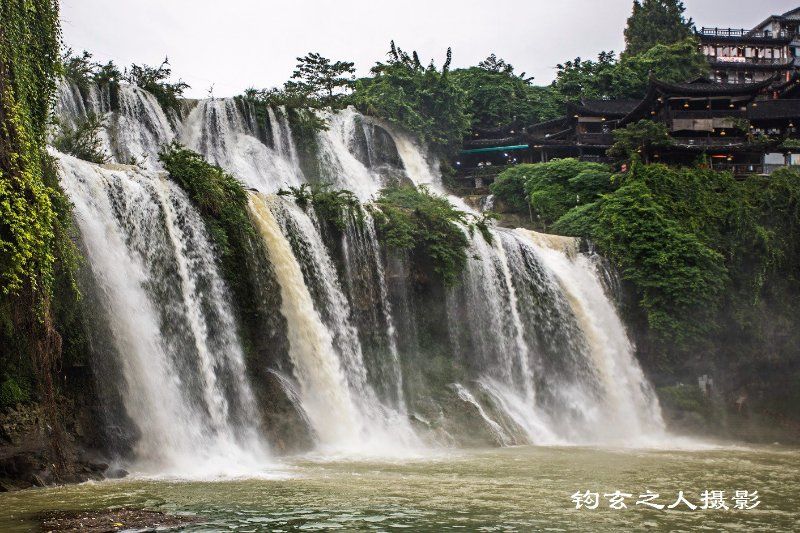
point(35, 243)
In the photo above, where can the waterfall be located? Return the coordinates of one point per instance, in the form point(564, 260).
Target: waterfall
point(134, 131)
point(526, 348)
point(630, 409)
point(219, 131)
point(325, 395)
point(335, 389)
point(367, 288)
point(185, 386)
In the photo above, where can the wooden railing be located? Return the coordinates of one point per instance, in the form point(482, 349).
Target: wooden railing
point(741, 32)
point(741, 60)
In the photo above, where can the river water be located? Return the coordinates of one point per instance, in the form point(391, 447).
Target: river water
point(521, 488)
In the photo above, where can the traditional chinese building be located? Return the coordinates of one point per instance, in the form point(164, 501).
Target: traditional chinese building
point(737, 119)
point(487, 152)
point(706, 120)
point(584, 133)
point(745, 56)
point(738, 127)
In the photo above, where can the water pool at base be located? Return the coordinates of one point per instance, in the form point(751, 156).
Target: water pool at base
point(510, 489)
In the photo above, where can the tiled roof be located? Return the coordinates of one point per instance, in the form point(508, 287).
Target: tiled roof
point(702, 86)
point(619, 106)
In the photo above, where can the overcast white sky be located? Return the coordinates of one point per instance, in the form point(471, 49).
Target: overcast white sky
point(236, 44)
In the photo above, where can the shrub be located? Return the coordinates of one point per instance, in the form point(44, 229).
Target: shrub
point(425, 224)
point(11, 393)
point(551, 189)
point(82, 140)
point(331, 205)
point(221, 200)
point(154, 81)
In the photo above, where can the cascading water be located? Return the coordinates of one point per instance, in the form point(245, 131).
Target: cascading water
point(220, 131)
point(324, 347)
point(568, 373)
point(365, 277)
point(528, 346)
point(185, 386)
point(135, 127)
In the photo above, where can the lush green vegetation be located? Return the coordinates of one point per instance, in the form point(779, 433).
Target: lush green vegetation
point(220, 199)
point(82, 140)
point(37, 257)
point(321, 81)
point(422, 99)
point(425, 224)
point(550, 190)
point(655, 22)
point(609, 77)
point(497, 96)
point(82, 70)
point(637, 141)
point(706, 257)
point(155, 81)
point(334, 206)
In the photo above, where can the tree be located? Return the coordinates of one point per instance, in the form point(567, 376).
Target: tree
point(498, 96)
point(549, 190)
point(580, 78)
point(607, 77)
point(82, 139)
point(639, 140)
point(677, 62)
point(154, 81)
point(319, 79)
point(495, 64)
point(655, 22)
point(678, 278)
point(424, 100)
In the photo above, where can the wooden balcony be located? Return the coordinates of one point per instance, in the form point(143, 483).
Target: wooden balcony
point(743, 33)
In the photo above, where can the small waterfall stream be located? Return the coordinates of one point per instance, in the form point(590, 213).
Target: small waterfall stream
point(527, 348)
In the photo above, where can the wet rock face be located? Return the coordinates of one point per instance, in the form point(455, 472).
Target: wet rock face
point(284, 422)
point(373, 146)
point(27, 459)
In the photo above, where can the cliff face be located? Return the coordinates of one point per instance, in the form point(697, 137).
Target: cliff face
point(742, 382)
point(28, 456)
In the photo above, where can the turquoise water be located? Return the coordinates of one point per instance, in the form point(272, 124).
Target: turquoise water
point(510, 489)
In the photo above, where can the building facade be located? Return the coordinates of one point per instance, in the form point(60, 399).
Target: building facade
point(770, 49)
point(741, 127)
point(744, 117)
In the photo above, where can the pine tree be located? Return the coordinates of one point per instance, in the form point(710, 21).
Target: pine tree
point(655, 22)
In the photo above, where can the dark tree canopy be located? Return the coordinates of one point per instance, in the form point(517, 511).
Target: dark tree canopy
point(655, 22)
point(639, 139)
point(609, 77)
point(155, 80)
point(498, 96)
point(423, 99)
point(495, 64)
